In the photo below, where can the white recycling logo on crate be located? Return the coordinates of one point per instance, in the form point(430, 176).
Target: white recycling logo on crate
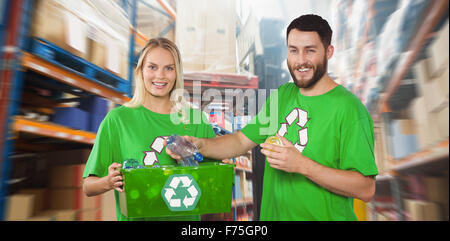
point(181, 192)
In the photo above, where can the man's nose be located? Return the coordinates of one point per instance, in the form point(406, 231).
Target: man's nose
point(301, 58)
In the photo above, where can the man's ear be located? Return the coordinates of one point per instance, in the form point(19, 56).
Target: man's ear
point(330, 51)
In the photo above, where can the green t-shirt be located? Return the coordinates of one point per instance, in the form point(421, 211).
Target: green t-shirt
point(136, 133)
point(333, 129)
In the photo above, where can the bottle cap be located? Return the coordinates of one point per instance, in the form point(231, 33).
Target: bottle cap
point(198, 157)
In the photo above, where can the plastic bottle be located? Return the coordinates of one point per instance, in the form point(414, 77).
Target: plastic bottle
point(132, 164)
point(187, 150)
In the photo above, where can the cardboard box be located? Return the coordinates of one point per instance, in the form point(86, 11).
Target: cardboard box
point(40, 199)
point(437, 189)
point(402, 145)
point(427, 131)
point(66, 176)
point(422, 210)
point(72, 198)
point(442, 122)
point(435, 98)
point(55, 24)
point(438, 51)
point(107, 53)
point(55, 215)
point(407, 126)
point(108, 207)
point(89, 215)
point(97, 47)
point(434, 90)
point(443, 82)
point(207, 43)
point(19, 207)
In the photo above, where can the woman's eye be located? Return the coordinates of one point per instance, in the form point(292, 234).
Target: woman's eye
point(152, 67)
point(169, 68)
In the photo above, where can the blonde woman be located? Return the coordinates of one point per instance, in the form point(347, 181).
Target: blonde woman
point(137, 129)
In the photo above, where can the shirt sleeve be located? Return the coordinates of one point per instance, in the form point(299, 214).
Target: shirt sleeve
point(265, 123)
point(357, 147)
point(101, 154)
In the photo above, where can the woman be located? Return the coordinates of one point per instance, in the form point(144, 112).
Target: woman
point(137, 129)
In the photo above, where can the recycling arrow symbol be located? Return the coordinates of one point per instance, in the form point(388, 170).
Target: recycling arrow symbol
point(181, 192)
point(302, 118)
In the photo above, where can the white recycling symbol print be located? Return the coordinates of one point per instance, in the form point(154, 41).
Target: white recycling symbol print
point(157, 146)
point(181, 192)
point(302, 117)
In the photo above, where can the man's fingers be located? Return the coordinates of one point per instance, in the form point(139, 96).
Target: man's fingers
point(272, 147)
point(285, 141)
point(271, 154)
point(173, 155)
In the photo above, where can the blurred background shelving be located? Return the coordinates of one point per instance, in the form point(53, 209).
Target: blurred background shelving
point(65, 64)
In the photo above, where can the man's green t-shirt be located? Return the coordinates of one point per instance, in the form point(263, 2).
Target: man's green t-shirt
point(333, 129)
point(136, 133)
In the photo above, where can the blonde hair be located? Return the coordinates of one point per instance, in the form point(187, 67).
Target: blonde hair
point(176, 94)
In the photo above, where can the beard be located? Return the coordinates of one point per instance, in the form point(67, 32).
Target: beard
point(319, 71)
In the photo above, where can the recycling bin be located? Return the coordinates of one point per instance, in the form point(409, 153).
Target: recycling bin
point(177, 190)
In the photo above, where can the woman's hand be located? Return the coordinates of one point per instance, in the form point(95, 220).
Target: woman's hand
point(114, 178)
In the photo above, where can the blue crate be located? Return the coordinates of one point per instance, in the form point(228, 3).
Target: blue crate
point(97, 107)
point(94, 122)
point(94, 105)
point(66, 60)
point(72, 117)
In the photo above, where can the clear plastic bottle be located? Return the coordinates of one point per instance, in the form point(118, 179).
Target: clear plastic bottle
point(187, 150)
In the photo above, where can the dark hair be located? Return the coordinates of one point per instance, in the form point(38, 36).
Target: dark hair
point(313, 23)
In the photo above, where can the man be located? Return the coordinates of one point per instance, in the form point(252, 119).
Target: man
point(327, 155)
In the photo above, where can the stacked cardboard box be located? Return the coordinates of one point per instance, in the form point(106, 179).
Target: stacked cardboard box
point(77, 26)
point(437, 192)
point(63, 198)
point(431, 109)
point(66, 192)
point(53, 23)
point(422, 210)
point(207, 42)
point(19, 207)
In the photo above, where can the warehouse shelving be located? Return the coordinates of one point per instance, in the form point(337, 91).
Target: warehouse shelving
point(42, 66)
point(387, 92)
point(436, 11)
point(52, 130)
point(432, 160)
point(22, 59)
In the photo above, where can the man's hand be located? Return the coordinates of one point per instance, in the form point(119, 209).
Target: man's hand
point(114, 178)
point(286, 158)
point(343, 182)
